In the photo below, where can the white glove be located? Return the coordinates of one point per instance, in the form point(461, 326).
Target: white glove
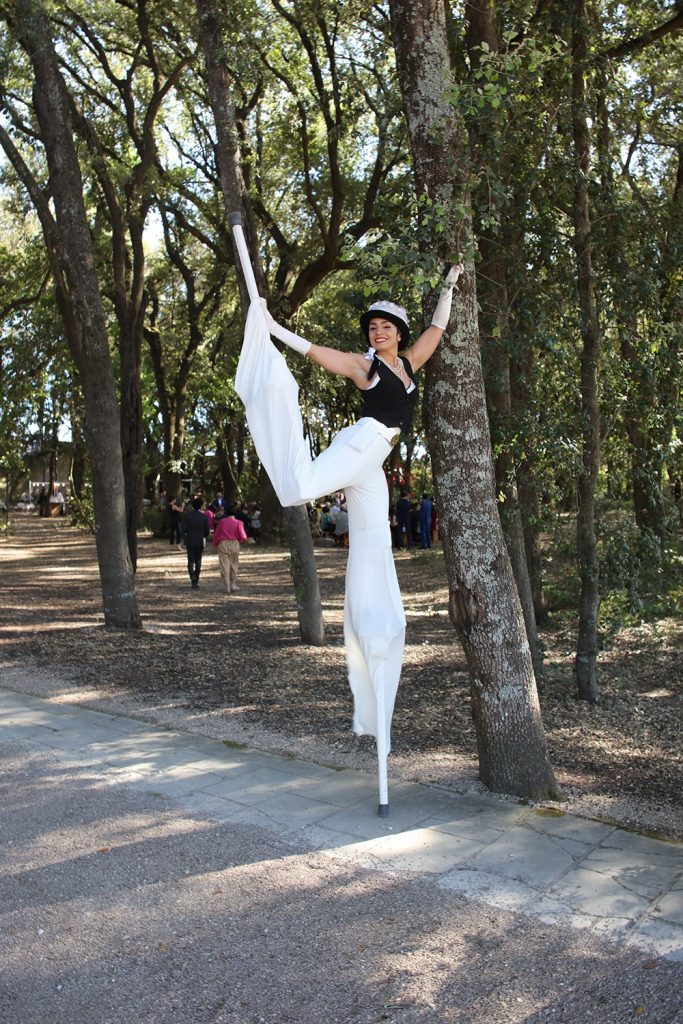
point(442, 313)
point(278, 331)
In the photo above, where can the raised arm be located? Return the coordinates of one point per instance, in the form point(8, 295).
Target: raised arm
point(346, 364)
point(426, 344)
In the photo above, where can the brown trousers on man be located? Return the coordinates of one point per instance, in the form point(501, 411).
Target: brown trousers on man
point(228, 560)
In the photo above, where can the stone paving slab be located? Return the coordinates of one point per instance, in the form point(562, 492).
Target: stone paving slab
point(559, 868)
point(422, 850)
point(659, 937)
point(670, 908)
point(500, 892)
point(530, 857)
point(598, 895)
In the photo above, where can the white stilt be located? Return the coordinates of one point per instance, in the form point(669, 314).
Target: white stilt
point(382, 754)
point(235, 221)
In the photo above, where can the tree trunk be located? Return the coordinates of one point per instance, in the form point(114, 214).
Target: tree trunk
point(529, 509)
point(494, 314)
point(587, 643)
point(130, 301)
point(235, 198)
point(225, 466)
point(84, 317)
point(298, 533)
point(483, 603)
point(79, 454)
point(647, 458)
point(521, 369)
point(131, 430)
point(271, 511)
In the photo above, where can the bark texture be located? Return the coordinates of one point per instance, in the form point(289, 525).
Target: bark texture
point(236, 199)
point(81, 305)
point(484, 604)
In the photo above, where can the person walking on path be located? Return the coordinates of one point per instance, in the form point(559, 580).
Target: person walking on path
point(197, 528)
point(175, 518)
point(228, 535)
point(56, 502)
point(218, 505)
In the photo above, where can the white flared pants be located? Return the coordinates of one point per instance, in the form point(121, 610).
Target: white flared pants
point(374, 621)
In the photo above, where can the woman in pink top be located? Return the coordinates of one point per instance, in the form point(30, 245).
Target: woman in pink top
point(227, 537)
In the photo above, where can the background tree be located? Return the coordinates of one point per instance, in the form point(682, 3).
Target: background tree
point(77, 293)
point(484, 605)
point(131, 84)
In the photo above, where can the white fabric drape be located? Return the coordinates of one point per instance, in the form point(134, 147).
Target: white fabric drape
point(374, 621)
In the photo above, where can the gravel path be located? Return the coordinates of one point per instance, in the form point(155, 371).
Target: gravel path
point(120, 907)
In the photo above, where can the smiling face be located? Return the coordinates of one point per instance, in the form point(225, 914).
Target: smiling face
point(384, 336)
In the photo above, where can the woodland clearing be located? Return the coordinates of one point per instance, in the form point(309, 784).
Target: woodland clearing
point(233, 667)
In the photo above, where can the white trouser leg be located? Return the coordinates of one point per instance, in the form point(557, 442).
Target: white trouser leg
point(374, 621)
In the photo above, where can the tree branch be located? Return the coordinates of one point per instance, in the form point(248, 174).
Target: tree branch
point(629, 46)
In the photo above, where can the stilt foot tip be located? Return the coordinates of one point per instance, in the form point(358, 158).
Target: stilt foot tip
point(383, 810)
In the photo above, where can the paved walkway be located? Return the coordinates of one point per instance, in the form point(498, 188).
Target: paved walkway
point(554, 866)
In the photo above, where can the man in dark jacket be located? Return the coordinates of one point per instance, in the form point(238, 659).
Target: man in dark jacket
point(403, 515)
point(196, 528)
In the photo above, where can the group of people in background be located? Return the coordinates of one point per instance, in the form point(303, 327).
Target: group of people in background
point(412, 522)
point(50, 501)
point(223, 523)
point(227, 526)
point(330, 519)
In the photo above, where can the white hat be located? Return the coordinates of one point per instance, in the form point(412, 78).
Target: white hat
point(389, 311)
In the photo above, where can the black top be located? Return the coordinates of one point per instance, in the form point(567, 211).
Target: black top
point(388, 401)
point(196, 528)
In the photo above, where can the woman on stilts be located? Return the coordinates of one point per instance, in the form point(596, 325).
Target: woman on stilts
point(374, 621)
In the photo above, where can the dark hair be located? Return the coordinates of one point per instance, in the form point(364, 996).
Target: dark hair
point(229, 508)
point(197, 504)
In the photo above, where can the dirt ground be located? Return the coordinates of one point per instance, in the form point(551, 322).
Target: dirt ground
point(233, 666)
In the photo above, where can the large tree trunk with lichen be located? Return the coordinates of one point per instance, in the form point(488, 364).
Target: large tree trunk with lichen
point(484, 604)
point(235, 198)
point(81, 307)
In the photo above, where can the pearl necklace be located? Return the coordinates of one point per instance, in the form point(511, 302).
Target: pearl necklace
point(398, 368)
